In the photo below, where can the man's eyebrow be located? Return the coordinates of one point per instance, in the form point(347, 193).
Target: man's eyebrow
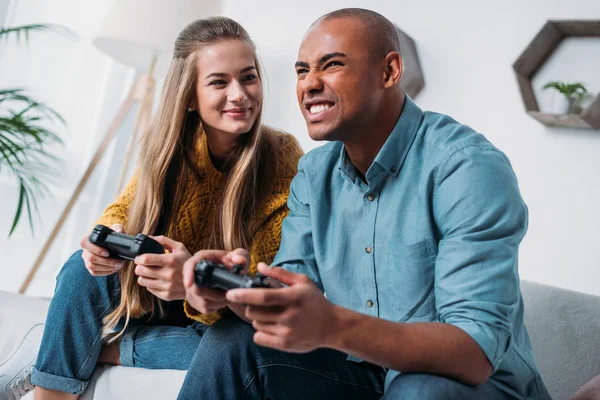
point(301, 64)
point(329, 56)
point(322, 60)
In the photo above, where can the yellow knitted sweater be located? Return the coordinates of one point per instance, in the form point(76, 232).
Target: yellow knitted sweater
point(200, 203)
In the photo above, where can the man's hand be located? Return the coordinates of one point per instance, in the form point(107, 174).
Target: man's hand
point(296, 319)
point(162, 274)
point(208, 300)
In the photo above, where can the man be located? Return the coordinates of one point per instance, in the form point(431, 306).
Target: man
point(410, 224)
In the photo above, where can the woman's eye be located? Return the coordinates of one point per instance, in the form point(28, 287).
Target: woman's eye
point(250, 77)
point(217, 82)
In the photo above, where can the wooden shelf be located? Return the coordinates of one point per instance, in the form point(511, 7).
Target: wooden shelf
point(537, 53)
point(565, 120)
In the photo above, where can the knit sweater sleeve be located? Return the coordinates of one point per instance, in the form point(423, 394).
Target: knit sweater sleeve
point(265, 242)
point(116, 213)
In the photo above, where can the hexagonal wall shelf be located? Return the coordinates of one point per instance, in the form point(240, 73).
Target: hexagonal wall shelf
point(412, 80)
point(535, 55)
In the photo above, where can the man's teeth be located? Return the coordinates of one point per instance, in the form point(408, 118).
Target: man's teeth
point(317, 108)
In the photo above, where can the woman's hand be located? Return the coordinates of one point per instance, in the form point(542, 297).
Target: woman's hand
point(162, 274)
point(208, 300)
point(96, 258)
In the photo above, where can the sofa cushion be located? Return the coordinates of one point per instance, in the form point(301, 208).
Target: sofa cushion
point(564, 327)
point(133, 383)
point(18, 314)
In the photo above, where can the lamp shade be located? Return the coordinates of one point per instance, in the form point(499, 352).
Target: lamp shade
point(134, 31)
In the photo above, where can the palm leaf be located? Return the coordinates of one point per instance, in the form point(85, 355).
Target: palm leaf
point(23, 31)
point(19, 95)
point(25, 134)
point(19, 209)
point(24, 137)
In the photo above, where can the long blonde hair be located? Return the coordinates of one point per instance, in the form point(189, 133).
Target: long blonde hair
point(168, 156)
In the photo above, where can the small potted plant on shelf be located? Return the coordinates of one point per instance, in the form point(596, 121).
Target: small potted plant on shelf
point(572, 93)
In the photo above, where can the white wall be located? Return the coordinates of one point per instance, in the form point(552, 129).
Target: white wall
point(466, 50)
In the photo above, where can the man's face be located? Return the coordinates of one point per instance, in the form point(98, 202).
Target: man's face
point(338, 85)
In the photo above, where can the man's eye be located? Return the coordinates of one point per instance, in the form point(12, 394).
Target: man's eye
point(301, 71)
point(333, 64)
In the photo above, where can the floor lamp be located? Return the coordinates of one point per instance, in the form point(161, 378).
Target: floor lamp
point(136, 33)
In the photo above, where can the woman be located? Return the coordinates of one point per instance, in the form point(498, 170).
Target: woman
point(209, 176)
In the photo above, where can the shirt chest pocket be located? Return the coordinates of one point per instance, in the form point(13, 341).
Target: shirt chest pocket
point(409, 280)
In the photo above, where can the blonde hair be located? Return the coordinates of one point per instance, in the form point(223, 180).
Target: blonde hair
point(168, 157)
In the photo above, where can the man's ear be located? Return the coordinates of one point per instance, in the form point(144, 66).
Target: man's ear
point(392, 69)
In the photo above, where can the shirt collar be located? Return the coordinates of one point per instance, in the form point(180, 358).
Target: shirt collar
point(393, 153)
point(396, 147)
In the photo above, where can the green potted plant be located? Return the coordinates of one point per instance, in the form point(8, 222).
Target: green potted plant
point(25, 134)
point(572, 93)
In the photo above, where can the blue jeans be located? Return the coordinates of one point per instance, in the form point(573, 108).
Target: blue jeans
point(228, 365)
point(72, 336)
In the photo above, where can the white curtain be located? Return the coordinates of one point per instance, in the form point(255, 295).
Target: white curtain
point(86, 88)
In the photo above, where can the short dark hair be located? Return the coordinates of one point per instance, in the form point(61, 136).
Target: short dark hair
point(382, 33)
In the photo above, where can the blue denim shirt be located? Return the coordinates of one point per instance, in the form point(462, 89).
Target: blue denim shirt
point(433, 235)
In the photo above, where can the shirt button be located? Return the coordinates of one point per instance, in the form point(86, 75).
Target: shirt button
point(371, 197)
point(368, 249)
point(393, 169)
point(369, 303)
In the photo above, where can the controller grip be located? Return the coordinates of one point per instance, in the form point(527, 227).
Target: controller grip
point(122, 246)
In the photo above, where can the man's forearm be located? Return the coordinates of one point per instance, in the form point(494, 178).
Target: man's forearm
point(426, 347)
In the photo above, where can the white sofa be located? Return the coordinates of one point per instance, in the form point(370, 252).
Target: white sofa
point(19, 313)
point(564, 327)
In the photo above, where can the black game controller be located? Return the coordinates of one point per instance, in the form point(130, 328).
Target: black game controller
point(123, 246)
point(210, 274)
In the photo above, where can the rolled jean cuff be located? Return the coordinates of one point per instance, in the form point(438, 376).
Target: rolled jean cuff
point(58, 383)
point(126, 348)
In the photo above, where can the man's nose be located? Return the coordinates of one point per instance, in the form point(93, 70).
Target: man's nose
point(312, 83)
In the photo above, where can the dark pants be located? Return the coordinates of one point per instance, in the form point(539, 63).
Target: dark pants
point(229, 365)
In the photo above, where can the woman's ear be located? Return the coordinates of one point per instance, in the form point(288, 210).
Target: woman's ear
point(192, 106)
point(392, 70)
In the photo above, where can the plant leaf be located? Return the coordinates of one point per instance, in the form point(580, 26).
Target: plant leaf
point(19, 210)
point(25, 30)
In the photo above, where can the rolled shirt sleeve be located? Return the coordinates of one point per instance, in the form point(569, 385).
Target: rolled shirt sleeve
point(482, 219)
